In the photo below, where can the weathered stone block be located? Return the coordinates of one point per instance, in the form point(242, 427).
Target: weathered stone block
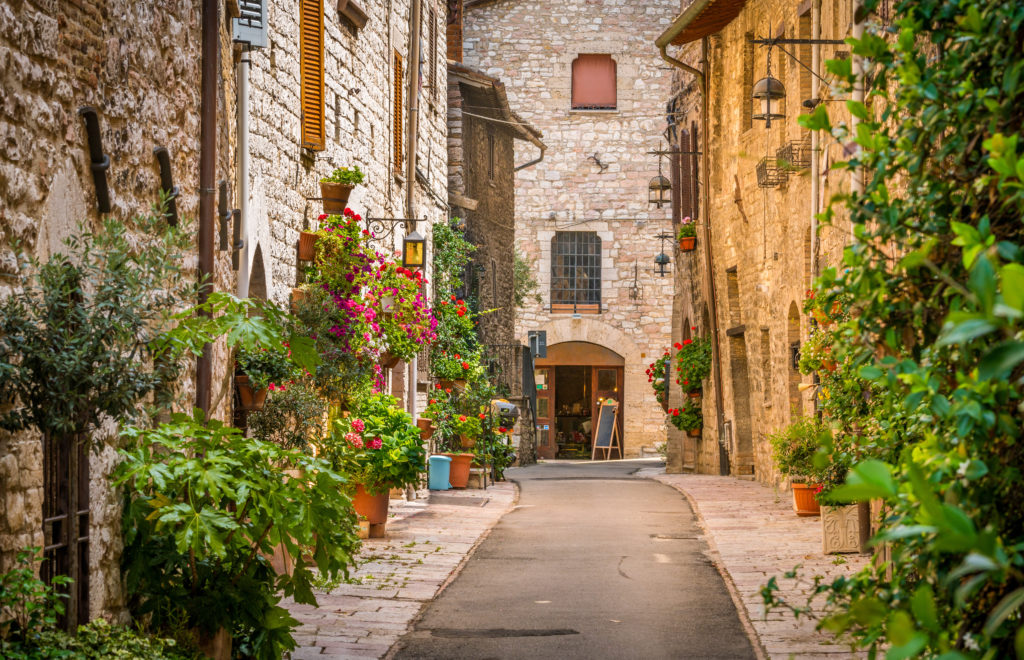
point(844, 528)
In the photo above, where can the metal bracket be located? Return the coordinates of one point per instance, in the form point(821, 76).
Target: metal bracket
point(99, 162)
point(167, 187)
point(222, 213)
point(237, 242)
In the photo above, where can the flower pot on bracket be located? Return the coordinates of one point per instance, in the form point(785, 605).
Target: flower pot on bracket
point(251, 399)
point(458, 383)
point(467, 442)
point(688, 244)
point(694, 395)
point(458, 475)
point(374, 508)
point(426, 427)
point(693, 433)
point(805, 500)
point(307, 245)
point(335, 196)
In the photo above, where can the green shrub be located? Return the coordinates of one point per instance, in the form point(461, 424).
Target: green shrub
point(794, 448)
point(346, 175)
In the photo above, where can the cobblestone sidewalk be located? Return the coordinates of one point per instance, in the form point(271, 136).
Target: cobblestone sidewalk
point(754, 535)
point(426, 543)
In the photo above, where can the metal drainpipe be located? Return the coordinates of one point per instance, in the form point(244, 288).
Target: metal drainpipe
point(410, 174)
point(704, 86)
point(815, 140)
point(207, 185)
point(242, 124)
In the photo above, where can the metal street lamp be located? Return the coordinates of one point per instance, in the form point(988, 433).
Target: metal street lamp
point(660, 190)
point(414, 250)
point(767, 90)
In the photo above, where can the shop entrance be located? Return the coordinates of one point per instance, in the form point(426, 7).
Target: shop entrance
point(570, 380)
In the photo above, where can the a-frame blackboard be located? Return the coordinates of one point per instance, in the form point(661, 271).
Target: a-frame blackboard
point(606, 436)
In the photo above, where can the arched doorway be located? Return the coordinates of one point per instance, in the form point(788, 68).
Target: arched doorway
point(570, 380)
point(793, 337)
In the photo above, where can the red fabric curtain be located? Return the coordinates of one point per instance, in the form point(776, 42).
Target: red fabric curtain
point(593, 82)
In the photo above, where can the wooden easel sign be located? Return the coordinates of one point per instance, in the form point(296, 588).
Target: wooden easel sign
point(606, 437)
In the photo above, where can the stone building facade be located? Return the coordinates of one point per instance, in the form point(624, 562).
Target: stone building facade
point(139, 66)
point(763, 256)
point(592, 182)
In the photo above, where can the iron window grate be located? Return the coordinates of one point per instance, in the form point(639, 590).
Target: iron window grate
point(769, 174)
point(576, 270)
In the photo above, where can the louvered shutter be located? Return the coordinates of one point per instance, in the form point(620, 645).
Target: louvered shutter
point(432, 35)
point(397, 113)
point(685, 177)
point(311, 66)
point(694, 171)
point(251, 25)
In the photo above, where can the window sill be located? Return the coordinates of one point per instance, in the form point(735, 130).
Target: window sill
point(400, 178)
point(575, 309)
point(593, 111)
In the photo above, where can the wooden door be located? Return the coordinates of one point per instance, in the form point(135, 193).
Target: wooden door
point(607, 383)
point(544, 377)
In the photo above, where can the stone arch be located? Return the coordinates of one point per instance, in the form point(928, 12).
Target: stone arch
point(687, 331)
point(793, 339)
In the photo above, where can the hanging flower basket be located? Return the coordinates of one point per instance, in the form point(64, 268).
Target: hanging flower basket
point(335, 196)
point(693, 433)
point(426, 427)
point(688, 244)
point(251, 399)
point(307, 245)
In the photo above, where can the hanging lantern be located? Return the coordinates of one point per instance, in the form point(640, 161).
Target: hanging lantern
point(660, 191)
point(771, 93)
point(414, 250)
point(662, 261)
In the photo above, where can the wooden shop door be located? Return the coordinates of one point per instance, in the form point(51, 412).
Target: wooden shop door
point(544, 377)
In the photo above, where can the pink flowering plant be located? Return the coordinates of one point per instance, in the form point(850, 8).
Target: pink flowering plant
point(406, 320)
point(377, 445)
point(687, 228)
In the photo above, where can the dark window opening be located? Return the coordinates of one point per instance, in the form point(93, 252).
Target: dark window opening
point(576, 272)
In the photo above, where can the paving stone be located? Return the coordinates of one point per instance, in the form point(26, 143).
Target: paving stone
point(425, 544)
point(754, 535)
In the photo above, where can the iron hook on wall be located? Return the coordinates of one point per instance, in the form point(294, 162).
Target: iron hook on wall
point(237, 243)
point(99, 161)
point(167, 187)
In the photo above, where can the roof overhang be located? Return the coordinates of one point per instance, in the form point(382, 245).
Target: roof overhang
point(499, 101)
point(701, 19)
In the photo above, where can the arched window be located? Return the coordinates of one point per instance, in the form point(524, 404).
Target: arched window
point(593, 83)
point(576, 272)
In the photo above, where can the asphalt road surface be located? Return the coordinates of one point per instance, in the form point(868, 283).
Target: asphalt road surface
point(592, 563)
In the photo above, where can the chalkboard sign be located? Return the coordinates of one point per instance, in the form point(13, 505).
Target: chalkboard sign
point(606, 437)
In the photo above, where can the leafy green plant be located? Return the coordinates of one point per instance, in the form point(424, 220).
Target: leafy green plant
point(467, 425)
point(292, 418)
point(204, 507)
point(27, 604)
point(693, 363)
point(934, 282)
point(687, 228)
point(377, 446)
point(266, 367)
point(795, 446)
point(657, 373)
point(96, 640)
point(351, 176)
point(687, 418)
point(524, 284)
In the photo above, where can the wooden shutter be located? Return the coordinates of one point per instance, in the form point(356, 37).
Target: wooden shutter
point(397, 113)
point(432, 35)
point(593, 82)
point(311, 69)
point(685, 177)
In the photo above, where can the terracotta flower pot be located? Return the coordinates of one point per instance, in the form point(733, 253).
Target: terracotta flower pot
point(298, 295)
point(805, 500)
point(252, 399)
point(307, 245)
point(467, 442)
point(426, 427)
point(688, 244)
point(388, 360)
point(458, 383)
point(372, 507)
point(458, 475)
point(335, 196)
point(693, 433)
point(694, 395)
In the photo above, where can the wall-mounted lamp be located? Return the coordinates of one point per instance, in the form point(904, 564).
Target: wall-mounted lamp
point(772, 95)
point(659, 189)
point(414, 250)
point(662, 261)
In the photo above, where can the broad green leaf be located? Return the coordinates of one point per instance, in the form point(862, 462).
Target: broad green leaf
point(964, 332)
point(999, 361)
point(1012, 284)
point(1010, 603)
point(867, 480)
point(922, 603)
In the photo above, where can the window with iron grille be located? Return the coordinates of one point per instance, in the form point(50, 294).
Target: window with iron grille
point(576, 272)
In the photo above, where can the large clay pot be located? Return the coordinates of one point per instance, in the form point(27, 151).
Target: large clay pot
point(688, 244)
point(458, 383)
point(467, 442)
point(693, 433)
point(805, 500)
point(251, 399)
point(335, 196)
point(307, 245)
point(373, 507)
point(458, 475)
point(426, 427)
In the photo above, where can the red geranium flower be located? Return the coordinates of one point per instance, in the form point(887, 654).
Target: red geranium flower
point(678, 346)
point(465, 365)
point(687, 341)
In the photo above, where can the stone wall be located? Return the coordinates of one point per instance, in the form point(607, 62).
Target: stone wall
point(761, 240)
point(138, 65)
point(595, 172)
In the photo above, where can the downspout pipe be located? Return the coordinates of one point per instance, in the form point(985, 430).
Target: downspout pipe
point(242, 161)
point(663, 43)
point(815, 141)
point(533, 162)
point(410, 175)
point(207, 183)
point(857, 174)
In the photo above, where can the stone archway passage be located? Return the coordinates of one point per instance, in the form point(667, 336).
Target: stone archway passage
point(573, 376)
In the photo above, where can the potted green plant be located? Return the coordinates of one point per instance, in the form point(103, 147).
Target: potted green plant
point(657, 373)
point(378, 447)
point(693, 363)
point(259, 370)
point(687, 235)
point(336, 188)
point(689, 418)
point(793, 450)
point(468, 428)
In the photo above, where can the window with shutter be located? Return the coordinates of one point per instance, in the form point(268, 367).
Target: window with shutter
point(311, 66)
point(593, 83)
point(396, 113)
point(251, 25)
